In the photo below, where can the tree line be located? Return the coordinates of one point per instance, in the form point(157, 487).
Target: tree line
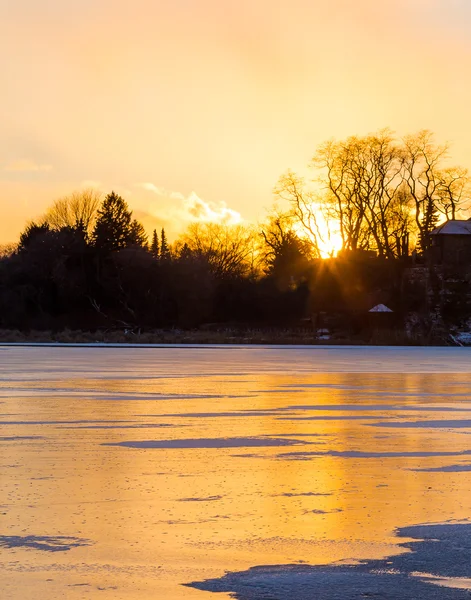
point(88, 264)
point(382, 194)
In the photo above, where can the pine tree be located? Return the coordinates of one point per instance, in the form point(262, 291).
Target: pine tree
point(185, 252)
point(33, 231)
point(428, 224)
point(138, 235)
point(113, 225)
point(154, 247)
point(164, 247)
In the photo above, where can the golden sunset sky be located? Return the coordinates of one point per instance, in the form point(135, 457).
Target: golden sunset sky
point(194, 108)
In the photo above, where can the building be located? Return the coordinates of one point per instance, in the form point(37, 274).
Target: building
point(451, 243)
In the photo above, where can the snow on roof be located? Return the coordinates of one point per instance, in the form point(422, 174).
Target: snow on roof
point(455, 227)
point(380, 308)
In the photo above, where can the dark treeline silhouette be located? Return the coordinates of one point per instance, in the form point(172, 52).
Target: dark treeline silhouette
point(88, 264)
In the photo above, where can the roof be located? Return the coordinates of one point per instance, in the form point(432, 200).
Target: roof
point(380, 308)
point(455, 227)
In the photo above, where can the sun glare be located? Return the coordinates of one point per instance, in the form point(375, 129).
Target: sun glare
point(329, 239)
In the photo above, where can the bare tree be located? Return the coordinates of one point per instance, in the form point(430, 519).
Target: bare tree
point(77, 210)
point(379, 191)
point(400, 221)
point(454, 191)
point(361, 177)
point(228, 249)
point(305, 206)
point(421, 172)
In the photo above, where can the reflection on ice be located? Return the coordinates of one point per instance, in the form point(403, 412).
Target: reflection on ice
point(331, 418)
point(19, 438)
point(237, 442)
point(360, 454)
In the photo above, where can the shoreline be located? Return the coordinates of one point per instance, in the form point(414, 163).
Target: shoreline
point(206, 338)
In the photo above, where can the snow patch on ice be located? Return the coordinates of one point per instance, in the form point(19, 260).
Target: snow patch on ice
point(440, 554)
point(439, 423)
point(446, 469)
point(42, 542)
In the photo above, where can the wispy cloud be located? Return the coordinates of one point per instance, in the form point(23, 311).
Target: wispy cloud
point(26, 165)
point(150, 187)
point(160, 191)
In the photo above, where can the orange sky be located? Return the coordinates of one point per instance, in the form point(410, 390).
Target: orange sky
point(195, 107)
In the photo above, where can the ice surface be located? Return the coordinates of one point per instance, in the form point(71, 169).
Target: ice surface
point(19, 438)
point(136, 452)
point(361, 454)
point(238, 442)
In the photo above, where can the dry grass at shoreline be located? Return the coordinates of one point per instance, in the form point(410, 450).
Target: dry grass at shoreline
point(223, 336)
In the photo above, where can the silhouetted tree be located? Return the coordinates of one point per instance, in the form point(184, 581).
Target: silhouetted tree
point(154, 247)
point(165, 253)
point(73, 270)
point(432, 188)
point(113, 225)
point(77, 210)
point(454, 192)
point(427, 224)
point(305, 207)
point(226, 248)
point(362, 177)
point(137, 235)
point(33, 232)
point(7, 250)
point(378, 191)
point(286, 255)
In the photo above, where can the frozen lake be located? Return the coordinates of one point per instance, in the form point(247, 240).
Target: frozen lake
point(130, 473)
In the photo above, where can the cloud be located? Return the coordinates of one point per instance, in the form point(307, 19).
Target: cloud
point(201, 210)
point(25, 165)
point(179, 210)
point(150, 187)
point(160, 191)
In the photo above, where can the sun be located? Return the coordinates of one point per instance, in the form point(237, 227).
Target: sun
point(329, 240)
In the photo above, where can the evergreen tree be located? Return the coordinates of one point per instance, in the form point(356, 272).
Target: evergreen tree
point(138, 235)
point(164, 247)
point(154, 247)
point(428, 224)
point(31, 233)
point(185, 252)
point(113, 225)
